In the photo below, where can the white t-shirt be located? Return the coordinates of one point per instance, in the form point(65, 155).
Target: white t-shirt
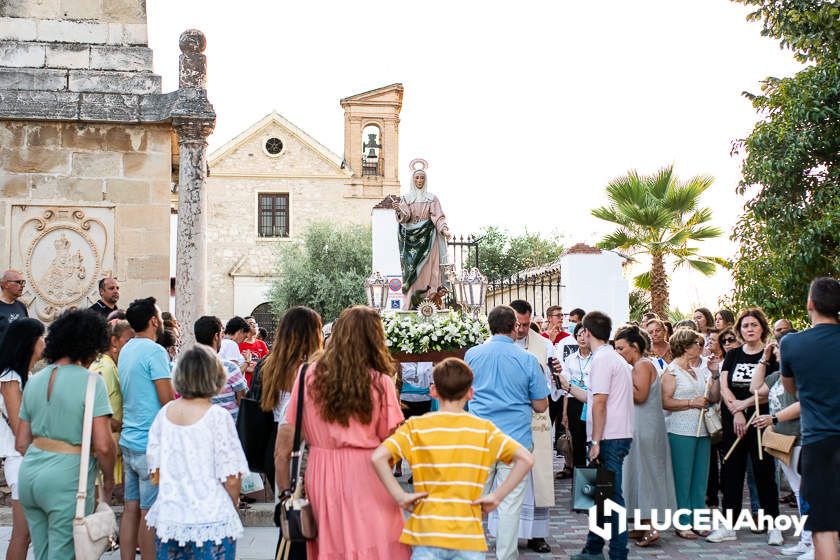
point(194, 461)
point(229, 350)
point(7, 438)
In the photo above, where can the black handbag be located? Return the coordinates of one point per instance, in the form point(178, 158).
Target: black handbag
point(297, 520)
point(256, 427)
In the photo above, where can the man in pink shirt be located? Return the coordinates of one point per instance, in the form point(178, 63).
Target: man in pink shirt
point(609, 424)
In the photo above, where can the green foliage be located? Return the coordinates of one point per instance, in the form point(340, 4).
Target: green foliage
point(789, 231)
point(324, 270)
point(658, 215)
point(639, 304)
point(501, 255)
point(809, 28)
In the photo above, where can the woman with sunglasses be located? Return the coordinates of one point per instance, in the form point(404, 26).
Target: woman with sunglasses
point(738, 407)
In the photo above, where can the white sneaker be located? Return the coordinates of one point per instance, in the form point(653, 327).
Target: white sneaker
point(795, 550)
point(774, 537)
point(807, 555)
point(721, 535)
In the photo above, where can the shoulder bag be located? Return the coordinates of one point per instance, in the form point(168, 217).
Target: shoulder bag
point(779, 446)
point(92, 534)
point(296, 517)
point(714, 424)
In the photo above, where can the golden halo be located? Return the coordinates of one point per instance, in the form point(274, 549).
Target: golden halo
point(422, 162)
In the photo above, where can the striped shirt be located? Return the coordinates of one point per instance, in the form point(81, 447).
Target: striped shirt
point(450, 456)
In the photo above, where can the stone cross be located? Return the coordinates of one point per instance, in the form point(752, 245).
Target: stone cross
point(193, 124)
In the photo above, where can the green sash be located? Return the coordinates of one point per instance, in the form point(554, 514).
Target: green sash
point(416, 244)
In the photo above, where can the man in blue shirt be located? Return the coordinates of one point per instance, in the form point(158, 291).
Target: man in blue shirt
point(145, 381)
point(509, 384)
point(811, 366)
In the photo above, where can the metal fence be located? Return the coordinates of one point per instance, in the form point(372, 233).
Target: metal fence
point(541, 290)
point(463, 252)
point(540, 287)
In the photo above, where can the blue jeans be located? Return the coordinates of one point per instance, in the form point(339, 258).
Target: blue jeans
point(435, 553)
point(138, 483)
point(611, 456)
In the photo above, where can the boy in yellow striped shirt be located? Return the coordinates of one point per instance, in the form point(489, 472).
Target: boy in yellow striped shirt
point(450, 452)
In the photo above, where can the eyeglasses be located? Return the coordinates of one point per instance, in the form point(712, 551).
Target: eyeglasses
point(20, 283)
point(729, 340)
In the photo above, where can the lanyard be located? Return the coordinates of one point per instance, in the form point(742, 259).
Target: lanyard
point(581, 368)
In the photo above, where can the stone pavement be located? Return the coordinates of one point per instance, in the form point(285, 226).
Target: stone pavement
point(568, 532)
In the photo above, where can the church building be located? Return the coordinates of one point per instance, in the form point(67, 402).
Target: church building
point(269, 183)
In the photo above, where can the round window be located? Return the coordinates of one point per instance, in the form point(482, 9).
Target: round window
point(273, 146)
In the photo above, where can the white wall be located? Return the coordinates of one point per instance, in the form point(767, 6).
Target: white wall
point(595, 283)
point(386, 252)
point(248, 292)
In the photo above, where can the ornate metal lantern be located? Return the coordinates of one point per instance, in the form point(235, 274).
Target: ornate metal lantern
point(472, 289)
point(376, 291)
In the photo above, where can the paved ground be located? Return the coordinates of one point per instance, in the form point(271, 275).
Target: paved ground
point(568, 532)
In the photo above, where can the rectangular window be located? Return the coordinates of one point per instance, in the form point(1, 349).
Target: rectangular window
point(273, 215)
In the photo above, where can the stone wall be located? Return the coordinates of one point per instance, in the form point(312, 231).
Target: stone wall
point(125, 168)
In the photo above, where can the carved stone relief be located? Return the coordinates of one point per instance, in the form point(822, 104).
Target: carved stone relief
point(63, 252)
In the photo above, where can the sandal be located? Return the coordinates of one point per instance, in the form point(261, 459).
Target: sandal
point(688, 535)
point(648, 538)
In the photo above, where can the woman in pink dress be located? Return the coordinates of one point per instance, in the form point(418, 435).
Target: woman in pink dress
point(350, 406)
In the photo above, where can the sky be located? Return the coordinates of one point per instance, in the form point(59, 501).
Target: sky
point(524, 111)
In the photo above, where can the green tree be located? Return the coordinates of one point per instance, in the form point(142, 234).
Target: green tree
point(788, 233)
point(658, 215)
point(324, 270)
point(501, 255)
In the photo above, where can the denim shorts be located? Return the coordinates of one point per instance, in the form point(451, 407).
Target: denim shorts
point(435, 553)
point(138, 485)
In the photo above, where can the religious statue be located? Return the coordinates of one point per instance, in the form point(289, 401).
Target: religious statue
point(63, 279)
point(423, 235)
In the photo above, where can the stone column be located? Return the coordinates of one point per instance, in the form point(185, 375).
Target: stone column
point(193, 126)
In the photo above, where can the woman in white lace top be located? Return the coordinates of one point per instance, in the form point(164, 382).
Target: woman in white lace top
point(195, 456)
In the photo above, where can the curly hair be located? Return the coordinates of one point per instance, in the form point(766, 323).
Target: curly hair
point(342, 383)
point(80, 335)
point(297, 339)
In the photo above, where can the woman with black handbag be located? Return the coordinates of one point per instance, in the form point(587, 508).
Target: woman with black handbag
point(298, 337)
point(345, 404)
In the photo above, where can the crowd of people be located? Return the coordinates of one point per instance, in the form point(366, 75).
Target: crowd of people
point(405, 460)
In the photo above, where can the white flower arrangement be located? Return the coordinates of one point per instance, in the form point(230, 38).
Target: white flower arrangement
point(404, 332)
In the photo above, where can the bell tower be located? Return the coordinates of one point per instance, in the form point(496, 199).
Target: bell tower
point(371, 141)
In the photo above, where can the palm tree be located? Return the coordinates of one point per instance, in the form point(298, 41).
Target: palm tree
point(658, 215)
